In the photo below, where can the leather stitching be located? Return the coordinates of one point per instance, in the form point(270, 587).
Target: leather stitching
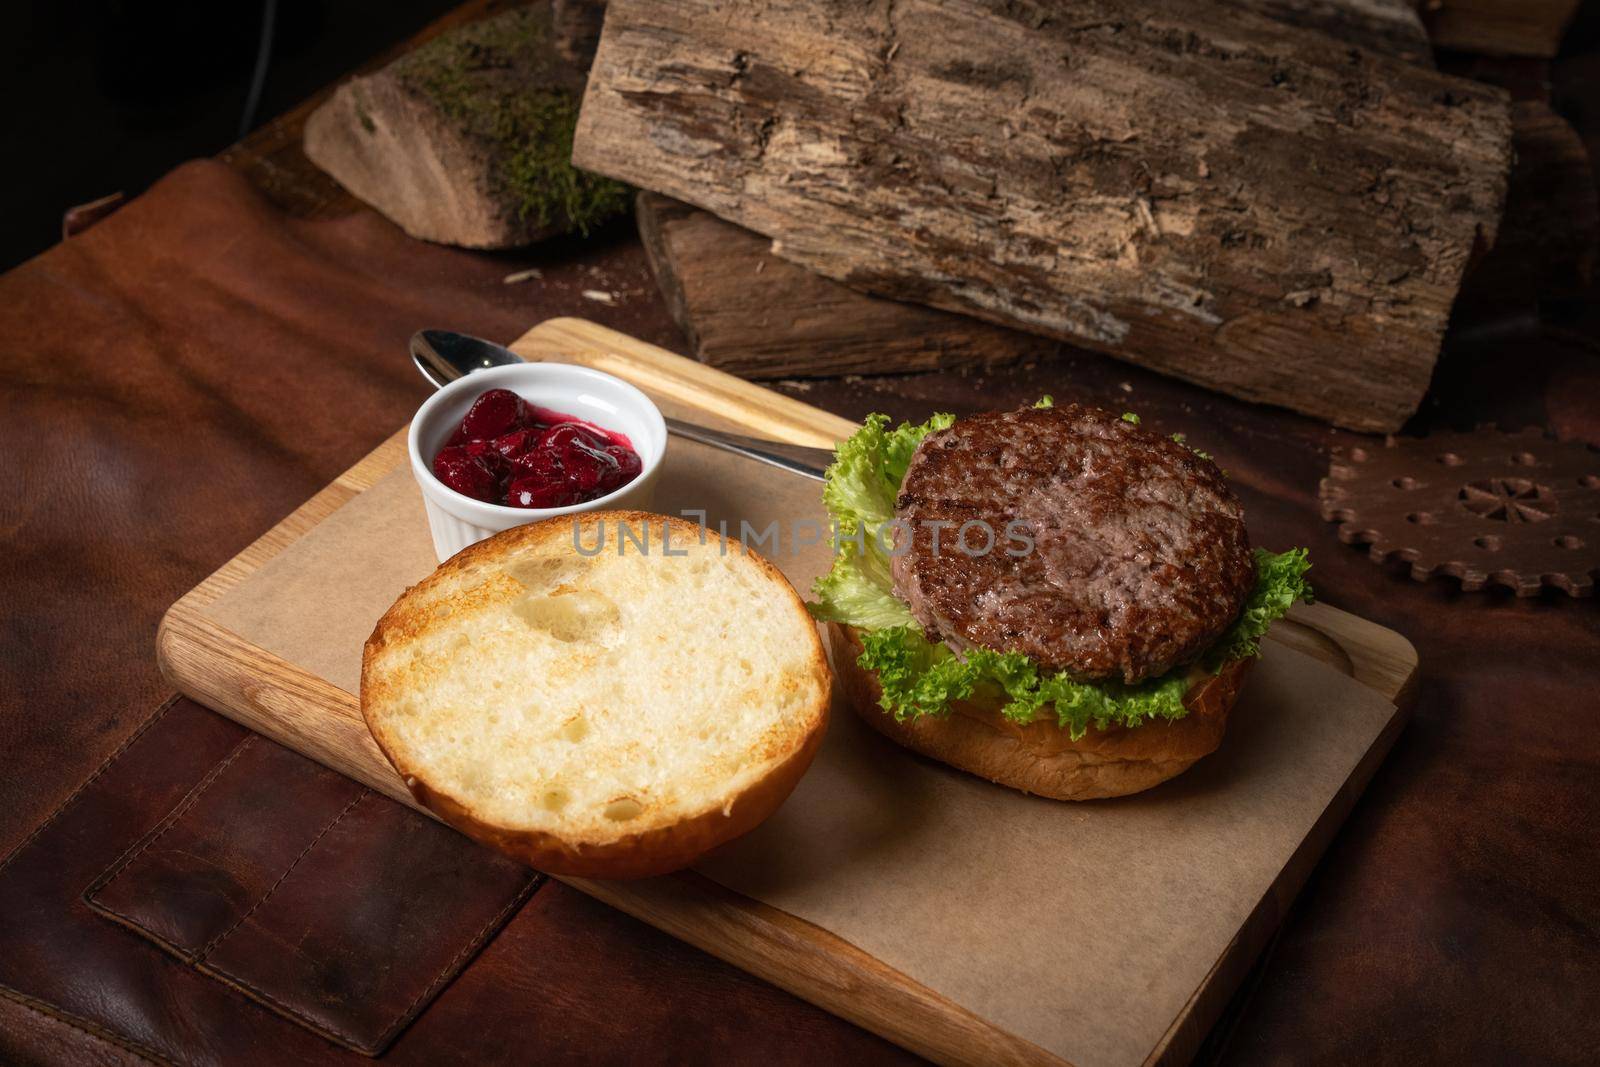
point(198, 960)
point(154, 718)
point(388, 1033)
point(178, 952)
point(94, 1031)
point(337, 819)
point(86, 1027)
point(138, 848)
point(468, 949)
point(404, 1016)
point(296, 1014)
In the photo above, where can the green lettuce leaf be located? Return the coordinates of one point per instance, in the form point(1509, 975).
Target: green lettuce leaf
point(1280, 581)
point(856, 596)
point(919, 677)
point(922, 677)
point(859, 491)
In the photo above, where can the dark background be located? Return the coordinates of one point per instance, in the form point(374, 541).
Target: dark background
point(101, 96)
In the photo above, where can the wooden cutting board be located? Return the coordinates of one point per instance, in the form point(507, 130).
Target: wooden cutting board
point(966, 922)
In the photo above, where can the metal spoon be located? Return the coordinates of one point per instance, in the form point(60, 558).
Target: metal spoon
point(444, 355)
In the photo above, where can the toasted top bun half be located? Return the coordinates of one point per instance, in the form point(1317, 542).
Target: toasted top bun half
point(613, 712)
point(1040, 757)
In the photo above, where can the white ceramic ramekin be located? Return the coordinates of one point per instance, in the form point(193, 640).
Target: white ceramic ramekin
point(458, 521)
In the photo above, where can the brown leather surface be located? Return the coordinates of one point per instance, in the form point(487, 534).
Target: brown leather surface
point(35, 1033)
point(222, 848)
point(383, 909)
point(64, 955)
point(566, 981)
point(176, 380)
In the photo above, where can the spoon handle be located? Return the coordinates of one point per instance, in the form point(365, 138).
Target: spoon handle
point(797, 459)
point(443, 356)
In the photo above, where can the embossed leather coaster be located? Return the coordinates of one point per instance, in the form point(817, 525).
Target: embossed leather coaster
point(1516, 510)
point(340, 910)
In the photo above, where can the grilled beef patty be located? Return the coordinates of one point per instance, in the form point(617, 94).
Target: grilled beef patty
point(1139, 556)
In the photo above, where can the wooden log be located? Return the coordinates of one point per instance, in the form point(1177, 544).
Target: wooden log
point(749, 312)
point(1198, 189)
point(466, 140)
point(1499, 27)
point(1549, 232)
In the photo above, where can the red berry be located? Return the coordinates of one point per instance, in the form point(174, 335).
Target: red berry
point(628, 462)
point(516, 443)
point(563, 434)
point(466, 473)
point(497, 412)
point(535, 492)
point(587, 468)
point(490, 457)
point(538, 463)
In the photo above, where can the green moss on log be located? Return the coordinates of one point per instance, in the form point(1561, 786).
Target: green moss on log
point(503, 83)
point(363, 116)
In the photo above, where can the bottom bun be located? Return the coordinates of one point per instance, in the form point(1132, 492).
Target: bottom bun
point(1039, 757)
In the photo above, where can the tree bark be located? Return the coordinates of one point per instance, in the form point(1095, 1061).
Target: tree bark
point(749, 312)
point(1186, 185)
point(464, 140)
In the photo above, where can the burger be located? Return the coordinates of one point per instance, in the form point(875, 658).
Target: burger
point(1053, 598)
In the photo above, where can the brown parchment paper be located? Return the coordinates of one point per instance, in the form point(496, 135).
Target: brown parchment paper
point(1084, 928)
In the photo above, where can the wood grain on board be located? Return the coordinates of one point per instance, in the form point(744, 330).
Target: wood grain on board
point(304, 711)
